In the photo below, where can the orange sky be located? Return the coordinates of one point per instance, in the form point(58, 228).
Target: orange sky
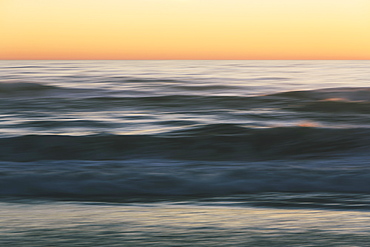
point(184, 29)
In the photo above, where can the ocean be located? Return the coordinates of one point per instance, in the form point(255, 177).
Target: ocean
point(184, 153)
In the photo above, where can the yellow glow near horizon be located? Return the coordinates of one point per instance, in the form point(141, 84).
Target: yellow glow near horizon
point(185, 29)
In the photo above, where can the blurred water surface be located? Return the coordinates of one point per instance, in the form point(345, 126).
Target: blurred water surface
point(184, 153)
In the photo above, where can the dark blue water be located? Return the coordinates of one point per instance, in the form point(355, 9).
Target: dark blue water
point(194, 136)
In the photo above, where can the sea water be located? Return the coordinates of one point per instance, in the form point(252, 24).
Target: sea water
point(184, 153)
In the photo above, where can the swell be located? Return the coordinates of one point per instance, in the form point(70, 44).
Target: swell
point(133, 179)
point(349, 100)
point(178, 103)
point(334, 106)
point(334, 100)
point(124, 79)
point(210, 142)
point(175, 101)
point(15, 87)
point(328, 100)
point(25, 90)
point(347, 93)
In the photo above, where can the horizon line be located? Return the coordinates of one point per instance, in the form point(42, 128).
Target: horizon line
point(272, 59)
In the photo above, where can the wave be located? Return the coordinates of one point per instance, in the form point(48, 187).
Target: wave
point(329, 100)
point(343, 93)
point(272, 78)
point(130, 179)
point(12, 87)
point(333, 106)
point(210, 142)
point(142, 79)
point(47, 124)
point(25, 90)
point(205, 87)
point(337, 100)
point(249, 106)
point(178, 101)
point(332, 100)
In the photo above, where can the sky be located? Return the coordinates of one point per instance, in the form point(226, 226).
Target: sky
point(184, 29)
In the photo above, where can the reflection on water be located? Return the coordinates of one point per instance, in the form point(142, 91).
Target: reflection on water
point(161, 224)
